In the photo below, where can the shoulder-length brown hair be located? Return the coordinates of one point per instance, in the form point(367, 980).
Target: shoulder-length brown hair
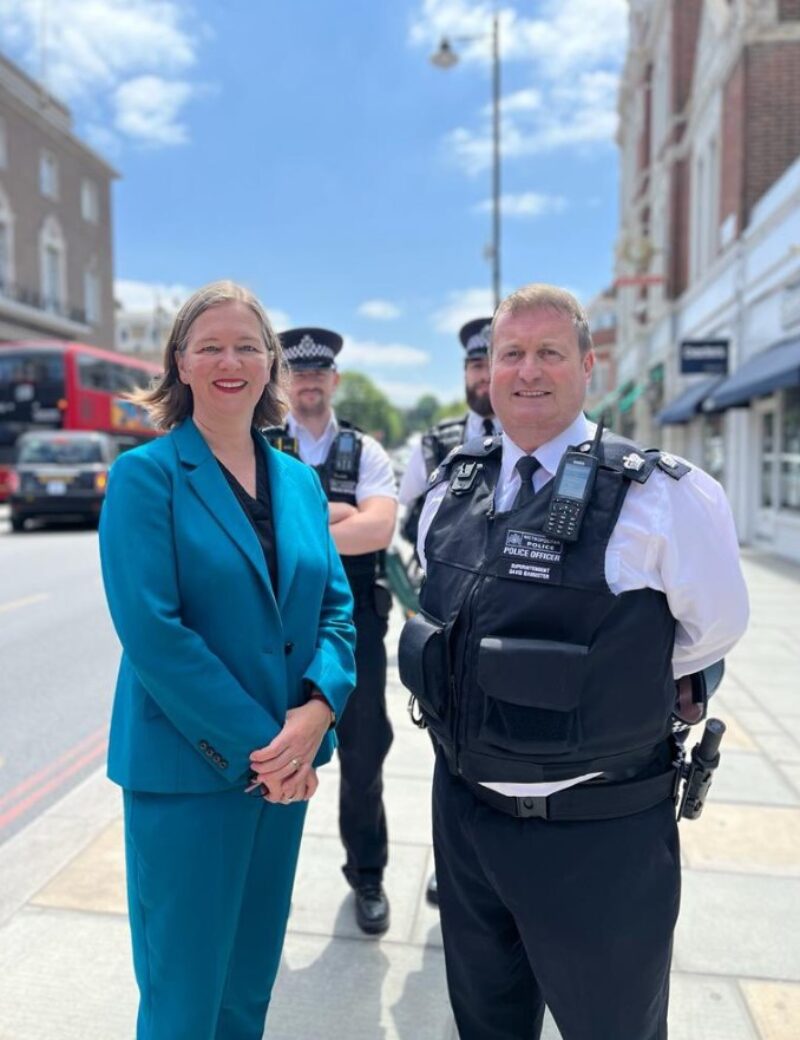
point(169, 401)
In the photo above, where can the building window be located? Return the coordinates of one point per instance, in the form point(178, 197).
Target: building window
point(91, 296)
point(53, 266)
point(90, 205)
point(790, 451)
point(714, 446)
point(6, 245)
point(3, 145)
point(705, 208)
point(48, 175)
point(767, 458)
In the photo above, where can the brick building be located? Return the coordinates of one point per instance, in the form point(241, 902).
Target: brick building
point(708, 257)
point(56, 274)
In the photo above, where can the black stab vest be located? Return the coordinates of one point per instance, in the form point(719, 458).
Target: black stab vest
point(339, 486)
point(439, 441)
point(547, 674)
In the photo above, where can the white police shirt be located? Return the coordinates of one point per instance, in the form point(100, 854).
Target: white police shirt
point(675, 536)
point(415, 478)
point(375, 473)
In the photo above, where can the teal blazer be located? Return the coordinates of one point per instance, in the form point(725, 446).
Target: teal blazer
point(211, 660)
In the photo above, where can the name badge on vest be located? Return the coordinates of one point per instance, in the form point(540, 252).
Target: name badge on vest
point(531, 556)
point(342, 487)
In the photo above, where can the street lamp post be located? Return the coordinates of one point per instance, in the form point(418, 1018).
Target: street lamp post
point(446, 58)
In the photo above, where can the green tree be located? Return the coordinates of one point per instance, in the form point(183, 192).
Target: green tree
point(359, 401)
point(454, 410)
point(422, 415)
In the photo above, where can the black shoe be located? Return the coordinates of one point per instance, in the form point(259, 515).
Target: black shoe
point(432, 892)
point(372, 908)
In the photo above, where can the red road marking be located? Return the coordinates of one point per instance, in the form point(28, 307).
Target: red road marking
point(11, 814)
point(42, 774)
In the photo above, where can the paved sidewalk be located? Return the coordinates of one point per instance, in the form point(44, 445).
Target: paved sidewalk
point(64, 955)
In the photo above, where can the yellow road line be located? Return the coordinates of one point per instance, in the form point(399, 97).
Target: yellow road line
point(26, 601)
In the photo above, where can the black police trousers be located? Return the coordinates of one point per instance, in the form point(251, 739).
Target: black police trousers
point(577, 916)
point(365, 736)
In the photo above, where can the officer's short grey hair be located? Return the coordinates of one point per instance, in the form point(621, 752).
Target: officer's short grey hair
point(538, 296)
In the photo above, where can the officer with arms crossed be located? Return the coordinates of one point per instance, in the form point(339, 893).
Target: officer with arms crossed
point(449, 433)
point(566, 591)
point(357, 477)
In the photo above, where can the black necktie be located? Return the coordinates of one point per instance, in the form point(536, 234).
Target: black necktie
point(526, 467)
point(488, 428)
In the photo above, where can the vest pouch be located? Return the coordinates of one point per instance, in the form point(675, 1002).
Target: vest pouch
point(422, 663)
point(531, 692)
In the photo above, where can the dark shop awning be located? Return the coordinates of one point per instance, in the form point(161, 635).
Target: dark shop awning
point(772, 369)
point(686, 405)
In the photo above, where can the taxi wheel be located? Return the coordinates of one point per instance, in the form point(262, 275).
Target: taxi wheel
point(17, 524)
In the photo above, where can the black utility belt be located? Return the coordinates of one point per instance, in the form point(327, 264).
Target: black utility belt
point(587, 801)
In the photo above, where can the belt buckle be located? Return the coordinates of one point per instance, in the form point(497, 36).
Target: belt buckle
point(532, 806)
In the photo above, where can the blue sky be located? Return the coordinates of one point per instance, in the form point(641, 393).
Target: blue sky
point(309, 149)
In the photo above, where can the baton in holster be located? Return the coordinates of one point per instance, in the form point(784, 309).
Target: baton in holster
point(698, 773)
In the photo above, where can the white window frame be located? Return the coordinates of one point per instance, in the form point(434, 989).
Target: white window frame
point(8, 276)
point(90, 201)
point(52, 242)
point(48, 175)
point(91, 294)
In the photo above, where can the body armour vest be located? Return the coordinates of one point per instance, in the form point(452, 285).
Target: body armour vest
point(339, 477)
point(438, 442)
point(526, 666)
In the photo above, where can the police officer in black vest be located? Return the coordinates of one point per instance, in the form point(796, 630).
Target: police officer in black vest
point(357, 476)
point(571, 578)
point(437, 442)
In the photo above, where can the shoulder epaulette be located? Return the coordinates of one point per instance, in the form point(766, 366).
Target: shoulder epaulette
point(345, 425)
point(675, 468)
point(637, 463)
point(445, 424)
point(628, 458)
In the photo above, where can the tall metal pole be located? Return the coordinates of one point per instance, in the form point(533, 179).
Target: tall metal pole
point(496, 159)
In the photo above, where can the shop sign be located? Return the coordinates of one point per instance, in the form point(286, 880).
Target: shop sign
point(709, 356)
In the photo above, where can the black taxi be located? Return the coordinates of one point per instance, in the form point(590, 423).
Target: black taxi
point(60, 475)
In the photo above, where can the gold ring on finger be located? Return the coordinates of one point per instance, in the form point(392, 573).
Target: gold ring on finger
point(295, 763)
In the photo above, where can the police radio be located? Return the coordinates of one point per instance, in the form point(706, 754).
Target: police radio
point(572, 490)
point(347, 450)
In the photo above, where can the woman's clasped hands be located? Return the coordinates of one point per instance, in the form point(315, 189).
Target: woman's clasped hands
point(283, 768)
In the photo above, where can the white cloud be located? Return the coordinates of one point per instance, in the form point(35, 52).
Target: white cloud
point(144, 296)
point(280, 319)
point(564, 34)
point(526, 204)
point(367, 353)
point(380, 310)
point(574, 49)
point(147, 110)
point(528, 100)
point(462, 306)
point(98, 55)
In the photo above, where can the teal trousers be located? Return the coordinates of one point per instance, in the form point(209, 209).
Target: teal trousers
point(209, 886)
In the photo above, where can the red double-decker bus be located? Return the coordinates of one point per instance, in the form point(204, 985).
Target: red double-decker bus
point(55, 385)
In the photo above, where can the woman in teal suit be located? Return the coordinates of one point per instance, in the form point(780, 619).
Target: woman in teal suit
point(234, 616)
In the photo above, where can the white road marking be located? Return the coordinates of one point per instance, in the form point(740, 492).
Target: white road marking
point(26, 601)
